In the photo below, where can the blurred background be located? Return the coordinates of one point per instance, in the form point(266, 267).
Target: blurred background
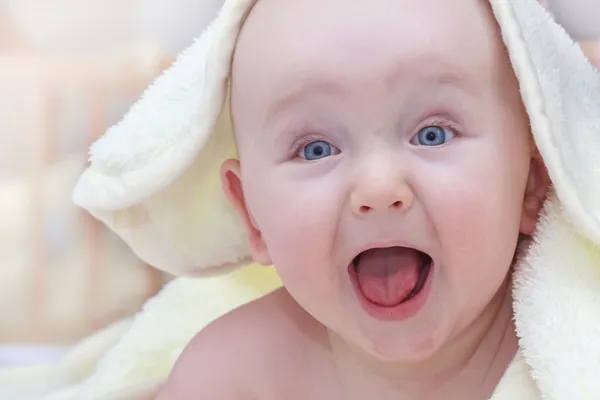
point(68, 70)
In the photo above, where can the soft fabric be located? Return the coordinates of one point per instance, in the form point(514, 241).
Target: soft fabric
point(154, 180)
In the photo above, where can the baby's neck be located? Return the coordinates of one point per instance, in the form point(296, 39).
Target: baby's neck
point(469, 367)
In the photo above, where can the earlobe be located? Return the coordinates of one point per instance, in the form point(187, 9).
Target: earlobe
point(536, 191)
point(232, 186)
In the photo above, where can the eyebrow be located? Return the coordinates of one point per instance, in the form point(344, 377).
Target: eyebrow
point(445, 75)
point(298, 94)
point(332, 89)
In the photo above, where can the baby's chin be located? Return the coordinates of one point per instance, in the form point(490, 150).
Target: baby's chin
point(390, 343)
point(403, 346)
point(439, 333)
point(401, 340)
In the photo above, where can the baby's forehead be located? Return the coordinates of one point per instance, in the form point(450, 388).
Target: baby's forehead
point(288, 42)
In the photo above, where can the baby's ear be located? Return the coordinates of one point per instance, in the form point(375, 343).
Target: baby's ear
point(233, 188)
point(536, 191)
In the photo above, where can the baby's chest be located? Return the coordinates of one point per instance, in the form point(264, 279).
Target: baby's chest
point(300, 381)
point(303, 388)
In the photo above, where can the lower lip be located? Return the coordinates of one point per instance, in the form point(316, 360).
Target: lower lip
point(400, 312)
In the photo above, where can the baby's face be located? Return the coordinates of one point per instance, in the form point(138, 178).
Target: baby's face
point(381, 124)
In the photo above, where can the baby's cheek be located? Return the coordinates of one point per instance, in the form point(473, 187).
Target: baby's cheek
point(296, 233)
point(299, 236)
point(478, 231)
point(479, 203)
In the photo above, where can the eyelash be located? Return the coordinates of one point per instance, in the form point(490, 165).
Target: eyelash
point(306, 140)
point(442, 122)
point(437, 121)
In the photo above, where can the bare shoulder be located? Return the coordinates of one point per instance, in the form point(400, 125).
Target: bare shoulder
point(258, 342)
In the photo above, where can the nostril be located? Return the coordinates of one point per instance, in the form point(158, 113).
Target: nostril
point(396, 204)
point(365, 209)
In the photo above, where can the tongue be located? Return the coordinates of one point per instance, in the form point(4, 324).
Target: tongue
point(388, 276)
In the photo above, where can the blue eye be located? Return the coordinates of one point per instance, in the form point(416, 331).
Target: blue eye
point(433, 136)
point(316, 150)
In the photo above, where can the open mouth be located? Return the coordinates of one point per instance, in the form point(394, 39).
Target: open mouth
point(389, 277)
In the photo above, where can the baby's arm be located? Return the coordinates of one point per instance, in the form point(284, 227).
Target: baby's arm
point(213, 365)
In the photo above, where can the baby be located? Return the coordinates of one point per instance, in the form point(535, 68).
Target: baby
point(386, 168)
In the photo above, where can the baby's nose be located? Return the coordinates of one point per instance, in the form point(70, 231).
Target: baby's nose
point(383, 194)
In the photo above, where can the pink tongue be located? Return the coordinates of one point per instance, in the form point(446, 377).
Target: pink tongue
point(388, 276)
